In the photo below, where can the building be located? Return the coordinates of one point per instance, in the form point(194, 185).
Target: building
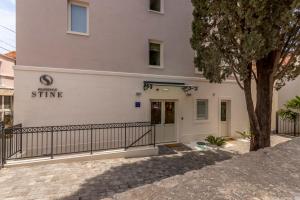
point(106, 61)
point(7, 63)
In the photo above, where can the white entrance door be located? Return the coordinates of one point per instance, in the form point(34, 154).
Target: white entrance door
point(163, 115)
point(225, 118)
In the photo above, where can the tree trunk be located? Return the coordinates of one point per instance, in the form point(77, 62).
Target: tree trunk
point(261, 117)
point(265, 87)
point(254, 124)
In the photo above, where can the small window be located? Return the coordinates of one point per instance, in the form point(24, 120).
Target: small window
point(7, 102)
point(202, 109)
point(223, 111)
point(156, 109)
point(155, 54)
point(78, 18)
point(156, 5)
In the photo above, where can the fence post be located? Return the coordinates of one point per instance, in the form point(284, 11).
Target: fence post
point(154, 135)
point(91, 139)
point(51, 142)
point(295, 126)
point(2, 137)
point(21, 140)
point(277, 121)
point(125, 137)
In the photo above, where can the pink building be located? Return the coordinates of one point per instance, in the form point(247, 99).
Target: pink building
point(7, 62)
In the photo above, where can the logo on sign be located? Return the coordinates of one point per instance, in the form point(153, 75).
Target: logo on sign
point(46, 80)
point(47, 92)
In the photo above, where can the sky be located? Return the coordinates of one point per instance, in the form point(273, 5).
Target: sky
point(7, 19)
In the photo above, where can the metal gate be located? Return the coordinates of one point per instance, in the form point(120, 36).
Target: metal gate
point(11, 142)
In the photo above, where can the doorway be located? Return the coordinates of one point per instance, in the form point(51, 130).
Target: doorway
point(225, 118)
point(163, 114)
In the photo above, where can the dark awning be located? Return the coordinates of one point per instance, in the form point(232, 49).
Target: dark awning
point(186, 88)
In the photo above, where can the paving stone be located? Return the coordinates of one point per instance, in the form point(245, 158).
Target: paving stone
point(214, 174)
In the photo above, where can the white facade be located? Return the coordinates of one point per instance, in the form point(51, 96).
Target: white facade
point(99, 64)
point(107, 97)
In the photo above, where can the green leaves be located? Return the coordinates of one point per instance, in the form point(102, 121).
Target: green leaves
point(291, 109)
point(228, 35)
point(293, 103)
point(218, 141)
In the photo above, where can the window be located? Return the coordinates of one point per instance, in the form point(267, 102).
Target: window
point(223, 111)
point(169, 112)
point(202, 109)
point(78, 18)
point(156, 112)
point(156, 5)
point(7, 102)
point(155, 54)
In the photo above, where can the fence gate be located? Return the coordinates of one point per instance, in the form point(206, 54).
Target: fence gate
point(10, 142)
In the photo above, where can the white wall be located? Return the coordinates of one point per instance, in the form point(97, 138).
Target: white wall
point(101, 97)
point(288, 92)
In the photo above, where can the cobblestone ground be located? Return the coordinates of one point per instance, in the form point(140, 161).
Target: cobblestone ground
point(270, 174)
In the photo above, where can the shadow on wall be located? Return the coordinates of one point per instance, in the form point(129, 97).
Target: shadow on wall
point(122, 178)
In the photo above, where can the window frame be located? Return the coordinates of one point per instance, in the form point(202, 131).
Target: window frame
point(161, 66)
point(82, 4)
point(198, 120)
point(162, 7)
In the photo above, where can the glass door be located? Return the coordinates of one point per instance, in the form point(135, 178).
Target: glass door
point(164, 116)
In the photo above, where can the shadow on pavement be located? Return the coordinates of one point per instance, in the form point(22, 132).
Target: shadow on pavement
point(125, 177)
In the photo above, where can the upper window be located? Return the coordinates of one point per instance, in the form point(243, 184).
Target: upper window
point(155, 54)
point(156, 5)
point(78, 18)
point(202, 109)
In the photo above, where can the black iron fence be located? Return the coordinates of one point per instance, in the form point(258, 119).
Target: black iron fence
point(289, 127)
point(1, 145)
point(20, 142)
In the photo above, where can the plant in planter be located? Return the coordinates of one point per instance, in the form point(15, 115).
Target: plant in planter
point(218, 141)
point(245, 134)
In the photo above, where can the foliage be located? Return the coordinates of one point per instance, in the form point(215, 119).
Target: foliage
point(289, 112)
point(249, 40)
point(229, 35)
point(245, 134)
point(218, 141)
point(293, 103)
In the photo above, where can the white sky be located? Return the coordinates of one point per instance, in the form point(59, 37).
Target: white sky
point(7, 19)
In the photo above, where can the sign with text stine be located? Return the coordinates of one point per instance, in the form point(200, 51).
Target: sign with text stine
point(47, 91)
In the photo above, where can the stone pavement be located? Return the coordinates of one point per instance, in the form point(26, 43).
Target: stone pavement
point(100, 179)
point(270, 174)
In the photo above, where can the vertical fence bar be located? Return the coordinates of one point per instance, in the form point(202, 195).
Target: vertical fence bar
point(277, 120)
point(154, 142)
point(52, 142)
point(91, 139)
point(295, 126)
point(2, 138)
point(21, 140)
point(3, 144)
point(125, 137)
